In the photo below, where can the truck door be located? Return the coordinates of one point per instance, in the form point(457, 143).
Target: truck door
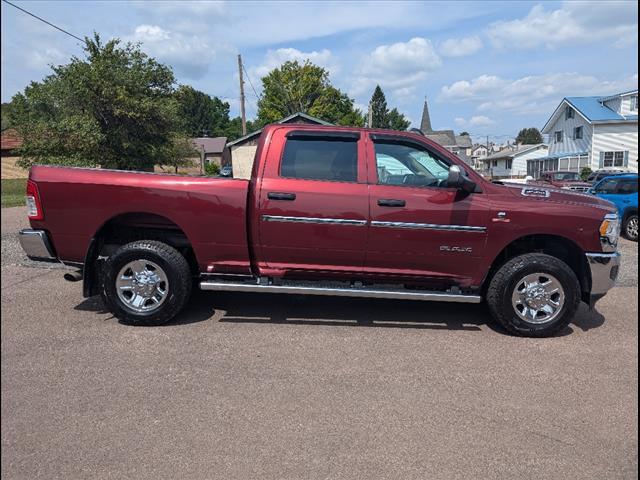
point(313, 203)
point(420, 226)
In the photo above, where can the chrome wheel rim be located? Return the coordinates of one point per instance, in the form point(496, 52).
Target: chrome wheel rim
point(142, 286)
point(538, 298)
point(632, 227)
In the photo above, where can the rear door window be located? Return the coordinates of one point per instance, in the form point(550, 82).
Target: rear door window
point(320, 158)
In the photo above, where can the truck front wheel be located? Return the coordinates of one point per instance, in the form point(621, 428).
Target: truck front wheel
point(146, 283)
point(534, 295)
point(630, 227)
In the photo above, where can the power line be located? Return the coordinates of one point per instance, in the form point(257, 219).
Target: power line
point(250, 82)
point(43, 20)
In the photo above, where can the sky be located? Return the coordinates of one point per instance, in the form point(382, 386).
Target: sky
point(488, 68)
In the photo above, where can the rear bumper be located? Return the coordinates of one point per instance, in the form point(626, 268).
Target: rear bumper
point(36, 245)
point(604, 272)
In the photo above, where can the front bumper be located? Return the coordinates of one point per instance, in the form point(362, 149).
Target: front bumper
point(604, 272)
point(36, 244)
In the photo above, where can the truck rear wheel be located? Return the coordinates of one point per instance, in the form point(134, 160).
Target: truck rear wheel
point(534, 295)
point(146, 283)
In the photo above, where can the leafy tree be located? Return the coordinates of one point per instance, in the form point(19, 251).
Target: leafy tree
point(585, 172)
point(529, 136)
point(464, 133)
point(295, 87)
point(397, 120)
point(180, 152)
point(6, 112)
point(115, 108)
point(379, 111)
point(201, 114)
point(382, 117)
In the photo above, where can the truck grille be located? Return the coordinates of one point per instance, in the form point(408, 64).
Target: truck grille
point(579, 189)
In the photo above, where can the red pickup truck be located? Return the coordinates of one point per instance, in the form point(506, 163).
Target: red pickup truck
point(328, 211)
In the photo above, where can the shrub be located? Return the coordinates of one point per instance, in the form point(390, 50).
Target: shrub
point(585, 172)
point(211, 169)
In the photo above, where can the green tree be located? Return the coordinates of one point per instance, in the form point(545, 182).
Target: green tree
point(464, 133)
point(295, 87)
point(382, 117)
point(114, 108)
point(201, 114)
point(585, 172)
point(6, 112)
point(180, 152)
point(529, 136)
point(397, 120)
point(379, 110)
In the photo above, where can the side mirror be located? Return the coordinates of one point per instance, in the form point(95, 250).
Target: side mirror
point(458, 180)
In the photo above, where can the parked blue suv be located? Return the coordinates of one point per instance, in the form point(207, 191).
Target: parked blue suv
point(622, 190)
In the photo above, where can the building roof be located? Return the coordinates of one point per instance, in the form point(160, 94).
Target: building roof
point(10, 139)
point(288, 119)
point(210, 144)
point(446, 138)
point(593, 109)
point(425, 123)
point(513, 152)
point(464, 141)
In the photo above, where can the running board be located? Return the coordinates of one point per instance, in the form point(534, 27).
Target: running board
point(340, 292)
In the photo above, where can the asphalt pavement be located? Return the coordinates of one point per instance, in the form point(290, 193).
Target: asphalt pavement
point(250, 386)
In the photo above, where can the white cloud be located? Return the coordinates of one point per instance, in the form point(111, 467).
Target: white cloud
point(189, 55)
point(474, 121)
point(275, 58)
point(460, 47)
point(531, 94)
point(574, 23)
point(398, 68)
point(271, 23)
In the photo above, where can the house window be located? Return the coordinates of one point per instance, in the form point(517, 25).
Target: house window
point(509, 164)
point(577, 133)
point(494, 163)
point(634, 103)
point(613, 159)
point(569, 113)
point(558, 137)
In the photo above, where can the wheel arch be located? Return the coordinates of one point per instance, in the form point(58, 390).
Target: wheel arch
point(557, 246)
point(128, 227)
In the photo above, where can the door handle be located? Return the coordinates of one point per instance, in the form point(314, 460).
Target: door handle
point(389, 202)
point(281, 196)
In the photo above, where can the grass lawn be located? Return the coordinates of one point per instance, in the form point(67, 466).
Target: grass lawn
point(13, 191)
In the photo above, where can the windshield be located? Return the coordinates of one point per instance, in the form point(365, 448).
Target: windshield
point(566, 177)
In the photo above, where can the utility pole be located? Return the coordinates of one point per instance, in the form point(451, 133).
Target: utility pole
point(242, 113)
point(370, 116)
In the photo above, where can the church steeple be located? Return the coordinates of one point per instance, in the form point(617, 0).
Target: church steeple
point(425, 124)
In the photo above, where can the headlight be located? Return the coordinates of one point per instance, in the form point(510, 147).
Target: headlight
point(610, 231)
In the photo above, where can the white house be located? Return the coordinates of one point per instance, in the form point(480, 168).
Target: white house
point(511, 162)
point(595, 132)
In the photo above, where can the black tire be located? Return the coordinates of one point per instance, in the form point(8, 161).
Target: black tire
point(506, 280)
point(174, 266)
point(627, 232)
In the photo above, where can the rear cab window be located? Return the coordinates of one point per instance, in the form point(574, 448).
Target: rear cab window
point(314, 156)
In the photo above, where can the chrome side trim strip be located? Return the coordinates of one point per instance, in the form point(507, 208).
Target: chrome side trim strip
point(341, 292)
point(331, 221)
point(429, 226)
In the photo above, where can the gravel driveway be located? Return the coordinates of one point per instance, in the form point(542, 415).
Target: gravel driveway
point(279, 387)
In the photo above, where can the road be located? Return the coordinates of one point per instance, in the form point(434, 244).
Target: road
point(278, 387)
